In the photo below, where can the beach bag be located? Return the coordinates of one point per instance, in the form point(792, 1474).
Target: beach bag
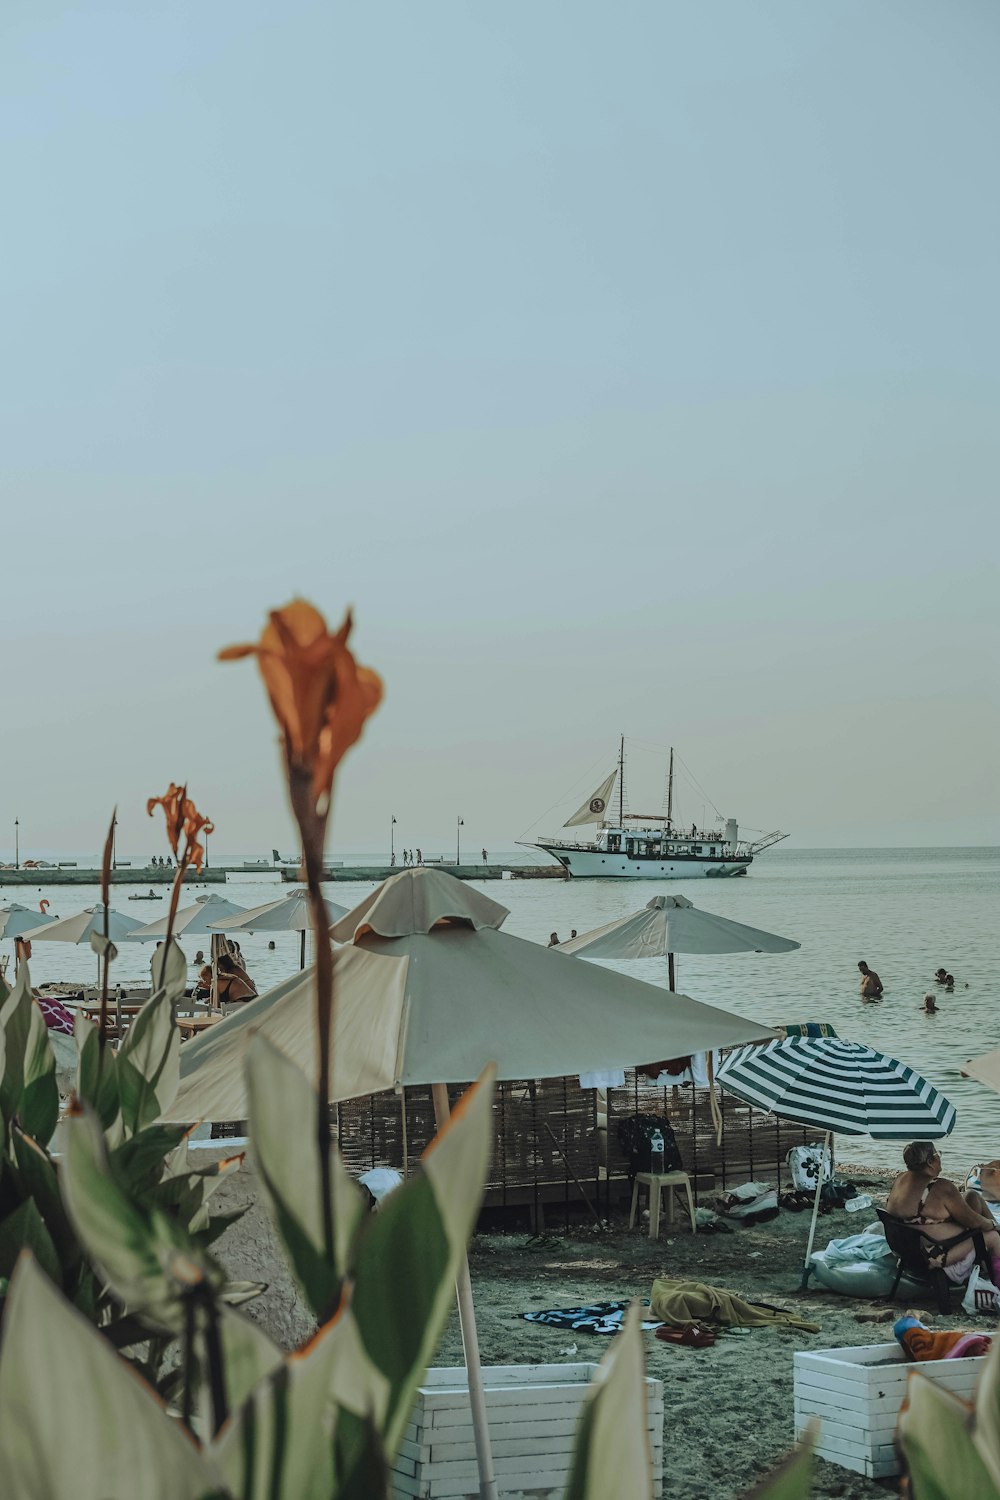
point(982, 1299)
point(634, 1136)
point(986, 1180)
point(805, 1161)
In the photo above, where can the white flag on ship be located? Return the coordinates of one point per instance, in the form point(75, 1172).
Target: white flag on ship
point(594, 808)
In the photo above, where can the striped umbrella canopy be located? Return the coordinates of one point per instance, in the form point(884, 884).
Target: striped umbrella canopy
point(841, 1088)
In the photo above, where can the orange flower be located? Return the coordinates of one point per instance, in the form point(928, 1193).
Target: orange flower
point(183, 821)
point(320, 696)
point(172, 803)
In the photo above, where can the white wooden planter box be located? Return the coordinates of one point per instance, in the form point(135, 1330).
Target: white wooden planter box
point(533, 1412)
point(857, 1394)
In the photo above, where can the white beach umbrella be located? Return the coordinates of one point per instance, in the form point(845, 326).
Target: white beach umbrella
point(289, 913)
point(840, 1088)
point(206, 914)
point(79, 929)
point(985, 1069)
point(17, 921)
point(470, 995)
point(669, 925)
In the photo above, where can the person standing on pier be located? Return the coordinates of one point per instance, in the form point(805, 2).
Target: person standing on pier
point(486, 858)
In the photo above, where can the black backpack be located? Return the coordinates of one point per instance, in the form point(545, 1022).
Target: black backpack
point(634, 1136)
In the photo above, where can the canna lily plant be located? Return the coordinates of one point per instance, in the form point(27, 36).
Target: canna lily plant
point(321, 699)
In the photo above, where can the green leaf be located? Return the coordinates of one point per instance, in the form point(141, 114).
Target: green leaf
point(138, 1163)
point(75, 1421)
point(28, 1084)
point(792, 1479)
point(24, 1229)
point(248, 1357)
point(281, 1441)
point(411, 1250)
point(987, 1433)
point(168, 972)
point(282, 1107)
point(935, 1433)
point(39, 1181)
point(97, 1076)
point(611, 1454)
point(149, 1063)
point(150, 1261)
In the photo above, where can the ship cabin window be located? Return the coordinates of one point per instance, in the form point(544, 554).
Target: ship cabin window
point(629, 847)
point(614, 843)
point(712, 851)
point(697, 849)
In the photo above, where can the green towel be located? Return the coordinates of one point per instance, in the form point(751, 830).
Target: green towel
point(677, 1302)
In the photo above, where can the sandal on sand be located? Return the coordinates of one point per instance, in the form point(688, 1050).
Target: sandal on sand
point(791, 1200)
point(692, 1337)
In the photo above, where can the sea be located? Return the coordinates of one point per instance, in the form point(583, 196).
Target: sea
point(906, 911)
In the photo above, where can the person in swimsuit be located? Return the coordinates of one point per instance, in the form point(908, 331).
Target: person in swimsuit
point(871, 984)
point(233, 983)
point(922, 1197)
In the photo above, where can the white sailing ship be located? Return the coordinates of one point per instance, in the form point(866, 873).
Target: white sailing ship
point(646, 846)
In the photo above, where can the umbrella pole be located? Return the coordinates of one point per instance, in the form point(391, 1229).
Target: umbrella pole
point(827, 1140)
point(302, 951)
point(470, 1339)
point(671, 981)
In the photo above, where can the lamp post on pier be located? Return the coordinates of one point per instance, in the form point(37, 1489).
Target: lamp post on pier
point(392, 842)
point(114, 840)
point(17, 845)
point(458, 840)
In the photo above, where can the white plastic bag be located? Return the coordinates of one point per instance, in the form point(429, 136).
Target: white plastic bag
point(805, 1161)
point(982, 1298)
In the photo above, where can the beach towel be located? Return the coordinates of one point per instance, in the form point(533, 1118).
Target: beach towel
point(679, 1301)
point(57, 1016)
point(596, 1317)
point(920, 1343)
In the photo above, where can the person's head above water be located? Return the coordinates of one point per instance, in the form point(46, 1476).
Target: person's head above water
point(929, 1005)
point(863, 966)
point(940, 973)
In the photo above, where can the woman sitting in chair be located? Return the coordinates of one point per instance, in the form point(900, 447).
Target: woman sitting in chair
point(931, 1203)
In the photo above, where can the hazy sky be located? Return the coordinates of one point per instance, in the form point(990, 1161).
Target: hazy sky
point(628, 367)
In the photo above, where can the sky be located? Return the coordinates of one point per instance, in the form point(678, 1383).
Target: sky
point(628, 369)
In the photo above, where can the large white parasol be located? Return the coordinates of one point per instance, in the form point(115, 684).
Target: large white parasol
point(669, 925)
point(290, 913)
point(207, 914)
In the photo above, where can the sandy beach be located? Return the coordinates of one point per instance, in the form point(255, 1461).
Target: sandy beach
point(729, 1408)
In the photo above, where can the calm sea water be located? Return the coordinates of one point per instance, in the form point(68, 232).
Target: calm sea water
point(906, 911)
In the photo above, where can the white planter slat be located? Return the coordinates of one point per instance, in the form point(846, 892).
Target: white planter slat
point(857, 1393)
point(533, 1412)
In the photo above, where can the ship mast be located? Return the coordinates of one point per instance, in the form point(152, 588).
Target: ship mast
point(621, 782)
point(670, 790)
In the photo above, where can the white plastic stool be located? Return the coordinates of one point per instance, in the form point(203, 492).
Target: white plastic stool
point(656, 1182)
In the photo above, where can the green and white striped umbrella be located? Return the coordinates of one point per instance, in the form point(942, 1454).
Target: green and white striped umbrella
point(841, 1087)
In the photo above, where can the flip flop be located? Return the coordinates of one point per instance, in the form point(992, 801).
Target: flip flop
point(692, 1337)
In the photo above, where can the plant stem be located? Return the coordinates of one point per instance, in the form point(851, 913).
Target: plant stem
point(216, 1366)
point(187, 1355)
point(312, 826)
point(105, 961)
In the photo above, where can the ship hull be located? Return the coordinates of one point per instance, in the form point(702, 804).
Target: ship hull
point(599, 864)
